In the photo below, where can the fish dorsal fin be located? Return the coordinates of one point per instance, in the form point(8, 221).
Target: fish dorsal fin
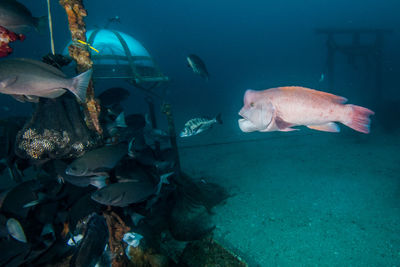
point(332, 97)
point(42, 65)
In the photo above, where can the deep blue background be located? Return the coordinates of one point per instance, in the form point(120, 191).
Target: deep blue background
point(245, 44)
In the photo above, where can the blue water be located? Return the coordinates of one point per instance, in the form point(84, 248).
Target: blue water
point(248, 44)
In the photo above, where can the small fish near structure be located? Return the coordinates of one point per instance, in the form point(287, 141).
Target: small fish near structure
point(97, 162)
point(281, 108)
point(113, 96)
point(27, 80)
point(199, 125)
point(198, 66)
point(125, 193)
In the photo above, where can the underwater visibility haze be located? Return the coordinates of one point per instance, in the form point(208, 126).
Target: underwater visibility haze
point(199, 133)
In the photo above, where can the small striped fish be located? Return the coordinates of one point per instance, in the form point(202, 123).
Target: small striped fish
point(198, 125)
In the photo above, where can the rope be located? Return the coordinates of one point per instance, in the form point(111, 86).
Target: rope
point(50, 28)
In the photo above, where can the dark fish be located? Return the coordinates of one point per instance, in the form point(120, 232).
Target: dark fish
point(27, 80)
point(197, 66)
point(113, 96)
point(81, 181)
point(97, 162)
point(16, 198)
point(125, 193)
point(119, 122)
point(93, 243)
point(140, 151)
point(17, 18)
point(199, 125)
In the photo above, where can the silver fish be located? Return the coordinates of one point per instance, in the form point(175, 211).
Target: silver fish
point(97, 162)
point(197, 66)
point(15, 17)
point(27, 80)
point(199, 125)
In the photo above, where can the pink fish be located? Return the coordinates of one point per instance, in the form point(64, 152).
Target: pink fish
point(279, 109)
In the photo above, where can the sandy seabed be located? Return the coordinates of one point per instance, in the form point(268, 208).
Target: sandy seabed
point(305, 198)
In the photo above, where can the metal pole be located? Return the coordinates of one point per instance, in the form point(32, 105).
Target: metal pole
point(153, 120)
point(166, 109)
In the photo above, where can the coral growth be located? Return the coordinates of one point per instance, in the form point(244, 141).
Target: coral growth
point(7, 37)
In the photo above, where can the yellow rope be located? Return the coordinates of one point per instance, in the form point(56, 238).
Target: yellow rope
point(50, 28)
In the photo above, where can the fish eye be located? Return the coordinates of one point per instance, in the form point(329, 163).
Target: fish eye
point(252, 104)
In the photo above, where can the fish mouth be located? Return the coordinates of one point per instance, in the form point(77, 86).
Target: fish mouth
point(247, 125)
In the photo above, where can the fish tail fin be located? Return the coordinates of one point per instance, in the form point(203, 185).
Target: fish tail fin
point(41, 24)
point(120, 120)
point(218, 118)
point(358, 118)
point(80, 84)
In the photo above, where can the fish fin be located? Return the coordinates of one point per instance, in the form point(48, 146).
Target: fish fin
point(19, 98)
point(327, 127)
point(288, 130)
point(218, 118)
point(32, 98)
point(8, 81)
point(99, 181)
point(358, 118)
point(15, 230)
point(41, 24)
point(117, 199)
point(281, 124)
point(40, 198)
point(120, 120)
point(130, 147)
point(331, 97)
point(80, 84)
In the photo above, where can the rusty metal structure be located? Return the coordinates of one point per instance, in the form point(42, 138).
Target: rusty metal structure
point(76, 13)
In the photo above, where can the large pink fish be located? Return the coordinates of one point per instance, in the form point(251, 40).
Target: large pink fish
point(279, 109)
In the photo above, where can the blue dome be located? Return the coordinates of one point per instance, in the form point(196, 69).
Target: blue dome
point(108, 44)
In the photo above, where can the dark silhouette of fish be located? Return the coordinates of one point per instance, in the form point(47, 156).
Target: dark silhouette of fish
point(113, 96)
point(15, 17)
point(125, 193)
point(198, 66)
point(97, 162)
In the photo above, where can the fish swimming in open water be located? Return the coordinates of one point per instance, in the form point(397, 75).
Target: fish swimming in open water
point(28, 79)
point(281, 108)
point(197, 66)
point(199, 125)
point(15, 17)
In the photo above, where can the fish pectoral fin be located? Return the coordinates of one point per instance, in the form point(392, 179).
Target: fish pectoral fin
point(19, 98)
point(282, 125)
point(32, 98)
point(117, 199)
point(8, 81)
point(327, 127)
